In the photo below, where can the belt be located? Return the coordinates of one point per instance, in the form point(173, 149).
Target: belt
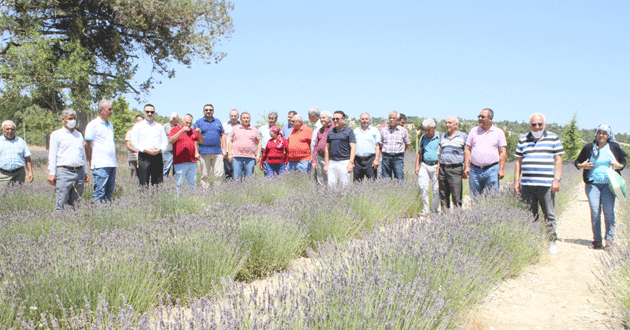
point(12, 171)
point(366, 157)
point(431, 163)
point(451, 165)
point(393, 155)
point(71, 168)
point(485, 166)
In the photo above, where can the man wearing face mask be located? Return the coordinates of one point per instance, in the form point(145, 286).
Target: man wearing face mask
point(537, 172)
point(67, 162)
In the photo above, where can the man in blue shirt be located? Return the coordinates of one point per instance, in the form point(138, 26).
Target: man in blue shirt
point(14, 156)
point(426, 165)
point(287, 127)
point(213, 149)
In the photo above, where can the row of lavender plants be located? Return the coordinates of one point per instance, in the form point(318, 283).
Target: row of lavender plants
point(150, 242)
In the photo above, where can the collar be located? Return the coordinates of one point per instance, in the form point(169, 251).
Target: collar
point(492, 127)
point(206, 119)
point(12, 140)
point(106, 123)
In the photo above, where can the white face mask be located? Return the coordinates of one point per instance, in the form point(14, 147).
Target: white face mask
point(537, 135)
point(71, 123)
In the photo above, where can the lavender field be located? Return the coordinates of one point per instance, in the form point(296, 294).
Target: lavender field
point(152, 259)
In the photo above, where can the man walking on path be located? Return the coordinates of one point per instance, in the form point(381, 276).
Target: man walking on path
point(149, 138)
point(173, 120)
point(318, 157)
point(67, 162)
point(14, 156)
point(426, 165)
point(537, 172)
point(340, 151)
point(485, 155)
point(100, 150)
point(395, 140)
point(368, 149)
point(451, 164)
point(227, 129)
point(212, 148)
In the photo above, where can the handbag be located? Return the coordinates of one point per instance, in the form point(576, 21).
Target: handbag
point(616, 182)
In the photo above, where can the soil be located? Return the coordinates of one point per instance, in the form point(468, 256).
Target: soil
point(562, 291)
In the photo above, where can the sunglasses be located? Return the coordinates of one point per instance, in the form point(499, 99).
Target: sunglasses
point(481, 116)
point(537, 124)
point(149, 112)
point(337, 118)
point(208, 109)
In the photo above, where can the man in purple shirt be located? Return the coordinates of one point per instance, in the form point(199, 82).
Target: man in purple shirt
point(485, 154)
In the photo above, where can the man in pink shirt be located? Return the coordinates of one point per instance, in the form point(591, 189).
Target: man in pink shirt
point(485, 154)
point(244, 148)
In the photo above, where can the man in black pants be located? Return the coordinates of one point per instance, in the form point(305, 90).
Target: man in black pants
point(149, 138)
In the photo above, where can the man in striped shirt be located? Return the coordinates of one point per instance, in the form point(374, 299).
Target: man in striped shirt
point(537, 172)
point(451, 164)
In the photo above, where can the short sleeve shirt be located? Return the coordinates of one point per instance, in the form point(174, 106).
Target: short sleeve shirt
point(101, 136)
point(244, 141)
point(537, 164)
point(339, 142)
point(451, 150)
point(211, 130)
point(394, 141)
point(485, 145)
point(184, 147)
point(367, 140)
point(13, 153)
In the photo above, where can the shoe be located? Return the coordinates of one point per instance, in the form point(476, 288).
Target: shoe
point(596, 245)
point(609, 243)
point(553, 249)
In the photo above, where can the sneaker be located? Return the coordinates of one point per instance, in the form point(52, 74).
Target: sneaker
point(596, 245)
point(553, 249)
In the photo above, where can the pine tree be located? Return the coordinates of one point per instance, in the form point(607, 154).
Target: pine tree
point(572, 140)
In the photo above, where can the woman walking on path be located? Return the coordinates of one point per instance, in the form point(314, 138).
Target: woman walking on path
point(595, 159)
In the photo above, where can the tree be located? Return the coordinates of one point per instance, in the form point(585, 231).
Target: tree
point(572, 140)
point(87, 50)
point(122, 118)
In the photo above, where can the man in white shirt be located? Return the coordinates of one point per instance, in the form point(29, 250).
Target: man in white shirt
point(228, 169)
point(100, 150)
point(67, 162)
point(149, 138)
point(368, 149)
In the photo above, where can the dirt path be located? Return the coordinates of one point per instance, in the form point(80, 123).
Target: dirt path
point(560, 292)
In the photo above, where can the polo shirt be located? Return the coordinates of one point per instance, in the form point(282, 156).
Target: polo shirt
point(339, 141)
point(394, 141)
point(244, 141)
point(451, 149)
point(184, 147)
point(300, 144)
point(13, 153)
point(537, 164)
point(211, 131)
point(100, 134)
point(228, 126)
point(485, 145)
point(367, 140)
point(429, 147)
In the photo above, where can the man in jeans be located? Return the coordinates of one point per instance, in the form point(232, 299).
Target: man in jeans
point(185, 141)
point(167, 157)
point(341, 148)
point(319, 148)
point(485, 155)
point(539, 161)
point(100, 150)
point(395, 141)
point(244, 148)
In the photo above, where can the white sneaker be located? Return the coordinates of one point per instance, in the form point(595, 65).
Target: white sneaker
point(553, 249)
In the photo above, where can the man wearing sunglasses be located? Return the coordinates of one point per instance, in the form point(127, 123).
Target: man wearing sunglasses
point(485, 154)
point(537, 172)
point(149, 138)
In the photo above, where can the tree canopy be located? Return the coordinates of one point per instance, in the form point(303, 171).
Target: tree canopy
point(86, 50)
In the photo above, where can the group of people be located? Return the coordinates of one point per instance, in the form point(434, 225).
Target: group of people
point(331, 150)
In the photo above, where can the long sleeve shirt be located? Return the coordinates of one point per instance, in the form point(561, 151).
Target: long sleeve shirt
point(146, 136)
point(66, 149)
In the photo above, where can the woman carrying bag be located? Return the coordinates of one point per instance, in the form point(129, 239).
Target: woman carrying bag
point(595, 159)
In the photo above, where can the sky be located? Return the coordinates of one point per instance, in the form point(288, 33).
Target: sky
point(422, 58)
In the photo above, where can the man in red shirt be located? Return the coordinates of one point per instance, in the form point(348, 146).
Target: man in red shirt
point(185, 152)
point(299, 151)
